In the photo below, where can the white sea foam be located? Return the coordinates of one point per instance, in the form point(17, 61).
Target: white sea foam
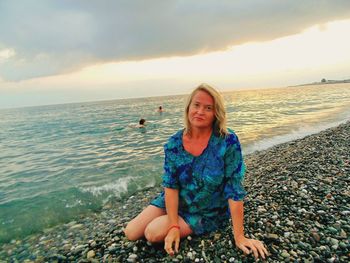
point(117, 188)
point(74, 204)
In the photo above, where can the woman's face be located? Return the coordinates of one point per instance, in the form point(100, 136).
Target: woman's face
point(201, 113)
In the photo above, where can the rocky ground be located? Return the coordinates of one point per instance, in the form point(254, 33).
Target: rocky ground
point(298, 203)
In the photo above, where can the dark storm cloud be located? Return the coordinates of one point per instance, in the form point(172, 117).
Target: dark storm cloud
point(52, 37)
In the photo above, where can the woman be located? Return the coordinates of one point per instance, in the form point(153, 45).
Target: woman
point(203, 173)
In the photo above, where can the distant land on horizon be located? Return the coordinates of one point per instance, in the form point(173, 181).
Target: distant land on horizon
point(323, 81)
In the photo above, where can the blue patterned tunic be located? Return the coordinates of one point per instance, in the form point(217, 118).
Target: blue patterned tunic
point(205, 182)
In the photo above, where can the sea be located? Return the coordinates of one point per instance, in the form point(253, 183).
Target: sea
point(62, 162)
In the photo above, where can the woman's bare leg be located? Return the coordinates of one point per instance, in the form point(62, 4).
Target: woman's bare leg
point(157, 230)
point(136, 227)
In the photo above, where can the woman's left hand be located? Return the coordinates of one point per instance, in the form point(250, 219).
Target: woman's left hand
point(251, 245)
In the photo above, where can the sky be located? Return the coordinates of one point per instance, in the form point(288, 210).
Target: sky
point(57, 51)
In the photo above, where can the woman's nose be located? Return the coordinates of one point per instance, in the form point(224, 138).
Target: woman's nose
point(200, 110)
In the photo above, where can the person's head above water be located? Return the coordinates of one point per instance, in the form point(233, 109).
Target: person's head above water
point(142, 121)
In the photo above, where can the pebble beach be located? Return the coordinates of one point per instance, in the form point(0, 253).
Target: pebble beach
point(298, 204)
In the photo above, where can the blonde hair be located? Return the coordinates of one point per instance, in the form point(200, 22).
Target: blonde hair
point(219, 124)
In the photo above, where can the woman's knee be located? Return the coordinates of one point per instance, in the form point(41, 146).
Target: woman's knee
point(130, 232)
point(152, 235)
point(135, 228)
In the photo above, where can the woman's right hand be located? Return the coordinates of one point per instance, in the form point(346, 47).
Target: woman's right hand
point(172, 238)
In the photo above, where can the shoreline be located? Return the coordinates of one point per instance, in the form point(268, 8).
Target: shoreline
point(297, 203)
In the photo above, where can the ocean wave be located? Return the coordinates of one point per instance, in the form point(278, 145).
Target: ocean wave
point(123, 186)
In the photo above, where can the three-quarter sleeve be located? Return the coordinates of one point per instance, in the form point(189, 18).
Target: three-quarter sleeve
point(234, 170)
point(170, 178)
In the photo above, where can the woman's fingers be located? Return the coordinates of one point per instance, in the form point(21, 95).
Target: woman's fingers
point(170, 251)
point(172, 242)
point(255, 251)
point(177, 243)
point(244, 249)
point(168, 247)
point(265, 250)
point(260, 249)
point(255, 246)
